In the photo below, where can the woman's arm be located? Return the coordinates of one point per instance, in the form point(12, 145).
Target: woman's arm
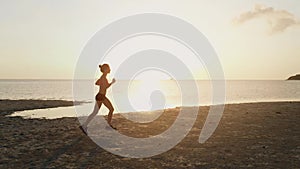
point(112, 82)
point(104, 83)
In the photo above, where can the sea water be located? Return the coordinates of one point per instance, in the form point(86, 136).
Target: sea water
point(149, 95)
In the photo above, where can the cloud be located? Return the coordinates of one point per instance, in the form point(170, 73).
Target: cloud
point(279, 20)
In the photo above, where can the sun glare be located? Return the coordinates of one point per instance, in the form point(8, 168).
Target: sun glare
point(143, 85)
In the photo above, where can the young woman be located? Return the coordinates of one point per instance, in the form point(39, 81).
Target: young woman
point(101, 98)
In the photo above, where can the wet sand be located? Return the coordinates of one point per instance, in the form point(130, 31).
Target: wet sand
point(250, 135)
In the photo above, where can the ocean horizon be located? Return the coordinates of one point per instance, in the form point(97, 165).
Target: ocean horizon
point(237, 91)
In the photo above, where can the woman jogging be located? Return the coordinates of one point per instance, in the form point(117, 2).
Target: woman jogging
point(101, 98)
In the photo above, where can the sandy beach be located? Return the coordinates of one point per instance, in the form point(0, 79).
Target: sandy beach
point(250, 135)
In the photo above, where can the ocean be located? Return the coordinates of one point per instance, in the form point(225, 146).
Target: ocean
point(143, 96)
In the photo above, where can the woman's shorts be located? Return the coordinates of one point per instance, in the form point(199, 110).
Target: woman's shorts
point(100, 97)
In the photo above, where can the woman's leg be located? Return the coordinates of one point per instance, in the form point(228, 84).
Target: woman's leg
point(108, 104)
point(93, 114)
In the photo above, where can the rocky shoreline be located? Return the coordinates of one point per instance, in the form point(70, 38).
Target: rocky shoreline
point(296, 77)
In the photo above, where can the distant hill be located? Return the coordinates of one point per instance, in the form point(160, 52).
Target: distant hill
point(296, 77)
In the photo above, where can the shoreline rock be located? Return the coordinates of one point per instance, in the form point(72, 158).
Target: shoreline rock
point(296, 77)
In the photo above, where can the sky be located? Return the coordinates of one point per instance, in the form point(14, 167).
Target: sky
point(254, 39)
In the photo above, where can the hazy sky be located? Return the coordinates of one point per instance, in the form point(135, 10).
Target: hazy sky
point(253, 39)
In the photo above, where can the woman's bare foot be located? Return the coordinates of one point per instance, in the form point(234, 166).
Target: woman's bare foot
point(83, 129)
point(112, 126)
